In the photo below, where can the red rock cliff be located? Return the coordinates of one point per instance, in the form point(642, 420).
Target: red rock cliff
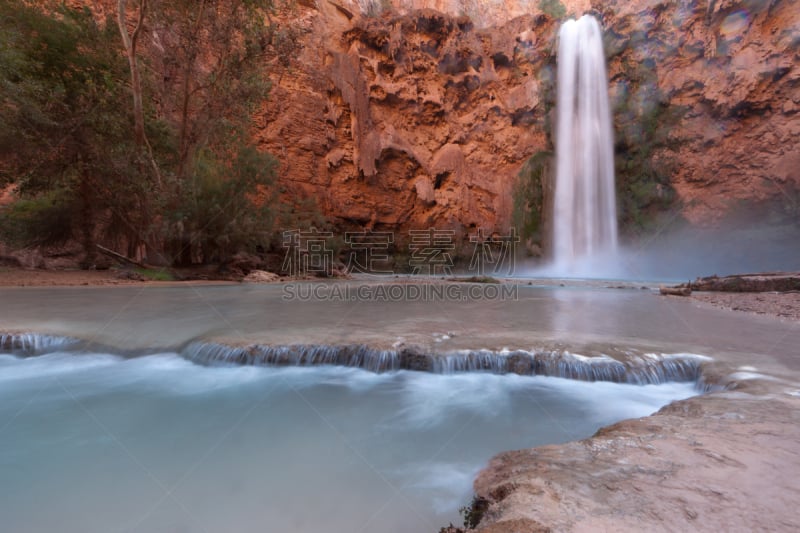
point(416, 118)
point(732, 67)
point(394, 116)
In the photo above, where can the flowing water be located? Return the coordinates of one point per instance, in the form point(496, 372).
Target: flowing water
point(96, 442)
point(585, 216)
point(150, 423)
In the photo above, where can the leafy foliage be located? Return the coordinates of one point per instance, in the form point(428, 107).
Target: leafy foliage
point(196, 189)
point(64, 140)
point(474, 511)
point(220, 210)
point(208, 58)
point(43, 220)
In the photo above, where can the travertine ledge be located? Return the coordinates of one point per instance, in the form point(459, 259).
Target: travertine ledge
point(726, 461)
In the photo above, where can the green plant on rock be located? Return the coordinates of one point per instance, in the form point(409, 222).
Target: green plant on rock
point(644, 119)
point(553, 9)
point(474, 511)
point(529, 196)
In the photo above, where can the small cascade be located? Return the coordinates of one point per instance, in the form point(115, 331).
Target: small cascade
point(649, 369)
point(28, 344)
point(640, 369)
point(352, 355)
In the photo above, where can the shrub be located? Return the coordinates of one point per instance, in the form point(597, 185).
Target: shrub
point(553, 9)
point(43, 220)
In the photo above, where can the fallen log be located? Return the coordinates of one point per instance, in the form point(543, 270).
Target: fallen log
point(678, 290)
point(120, 257)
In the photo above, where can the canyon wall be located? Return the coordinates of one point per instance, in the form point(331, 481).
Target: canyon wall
point(396, 116)
point(730, 70)
point(401, 114)
point(404, 121)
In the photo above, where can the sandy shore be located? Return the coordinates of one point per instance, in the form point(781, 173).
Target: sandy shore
point(782, 305)
point(18, 277)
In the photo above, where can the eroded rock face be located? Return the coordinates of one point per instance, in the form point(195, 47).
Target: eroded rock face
point(409, 121)
point(731, 68)
point(400, 114)
point(416, 118)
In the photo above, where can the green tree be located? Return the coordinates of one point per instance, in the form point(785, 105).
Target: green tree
point(143, 139)
point(63, 139)
point(227, 203)
point(208, 64)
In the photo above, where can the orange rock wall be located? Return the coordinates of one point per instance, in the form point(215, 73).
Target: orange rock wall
point(415, 118)
point(409, 121)
point(392, 117)
point(734, 66)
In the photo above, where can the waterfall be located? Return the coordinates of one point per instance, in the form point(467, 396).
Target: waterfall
point(585, 219)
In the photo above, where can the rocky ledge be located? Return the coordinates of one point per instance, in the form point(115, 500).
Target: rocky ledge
point(726, 461)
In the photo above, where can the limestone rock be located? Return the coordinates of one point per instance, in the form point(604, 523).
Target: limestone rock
point(261, 276)
point(423, 118)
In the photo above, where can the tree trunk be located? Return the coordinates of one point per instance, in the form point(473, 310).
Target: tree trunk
point(185, 147)
point(130, 42)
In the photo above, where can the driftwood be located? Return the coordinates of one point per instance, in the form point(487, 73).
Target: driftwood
point(120, 257)
point(679, 290)
point(762, 282)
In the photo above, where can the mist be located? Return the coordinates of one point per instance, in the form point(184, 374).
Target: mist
point(686, 253)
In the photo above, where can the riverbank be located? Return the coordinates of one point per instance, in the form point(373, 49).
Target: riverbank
point(725, 461)
point(21, 277)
